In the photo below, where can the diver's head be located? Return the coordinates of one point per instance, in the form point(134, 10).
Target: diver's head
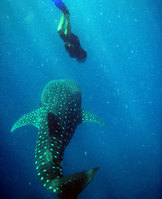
point(82, 56)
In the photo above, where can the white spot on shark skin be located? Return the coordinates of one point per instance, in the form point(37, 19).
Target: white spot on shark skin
point(48, 156)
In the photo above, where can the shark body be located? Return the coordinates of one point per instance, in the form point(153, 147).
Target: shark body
point(57, 118)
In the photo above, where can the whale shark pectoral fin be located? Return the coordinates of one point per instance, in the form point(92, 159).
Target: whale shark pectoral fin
point(32, 118)
point(89, 117)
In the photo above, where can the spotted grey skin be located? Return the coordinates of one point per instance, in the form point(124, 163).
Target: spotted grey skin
point(57, 118)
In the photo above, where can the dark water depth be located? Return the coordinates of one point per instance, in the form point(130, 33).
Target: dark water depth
point(120, 83)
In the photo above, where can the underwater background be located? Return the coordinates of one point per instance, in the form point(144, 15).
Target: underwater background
point(120, 83)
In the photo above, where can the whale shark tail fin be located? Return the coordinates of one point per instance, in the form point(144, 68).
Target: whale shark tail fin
point(31, 118)
point(72, 185)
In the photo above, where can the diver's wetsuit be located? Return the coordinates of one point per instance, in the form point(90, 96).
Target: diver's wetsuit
point(72, 44)
point(61, 6)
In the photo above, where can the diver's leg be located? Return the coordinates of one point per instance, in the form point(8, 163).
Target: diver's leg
point(60, 28)
point(67, 26)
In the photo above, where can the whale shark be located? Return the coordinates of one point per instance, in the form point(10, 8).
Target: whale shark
point(57, 118)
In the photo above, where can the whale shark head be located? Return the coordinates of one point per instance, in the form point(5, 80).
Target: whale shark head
point(57, 118)
point(61, 93)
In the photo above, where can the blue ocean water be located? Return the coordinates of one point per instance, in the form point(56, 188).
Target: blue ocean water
point(120, 83)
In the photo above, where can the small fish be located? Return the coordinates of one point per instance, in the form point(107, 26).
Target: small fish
point(57, 118)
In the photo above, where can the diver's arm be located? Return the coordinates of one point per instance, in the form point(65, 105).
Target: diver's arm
point(67, 26)
point(60, 28)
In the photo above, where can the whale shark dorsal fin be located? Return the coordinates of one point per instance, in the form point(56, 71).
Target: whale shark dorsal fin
point(89, 117)
point(53, 124)
point(32, 118)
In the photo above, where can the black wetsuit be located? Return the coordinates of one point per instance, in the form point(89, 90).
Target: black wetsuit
point(72, 45)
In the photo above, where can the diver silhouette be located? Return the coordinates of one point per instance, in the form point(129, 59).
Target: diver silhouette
point(71, 41)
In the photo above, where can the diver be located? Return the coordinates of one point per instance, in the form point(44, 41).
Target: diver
point(72, 43)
